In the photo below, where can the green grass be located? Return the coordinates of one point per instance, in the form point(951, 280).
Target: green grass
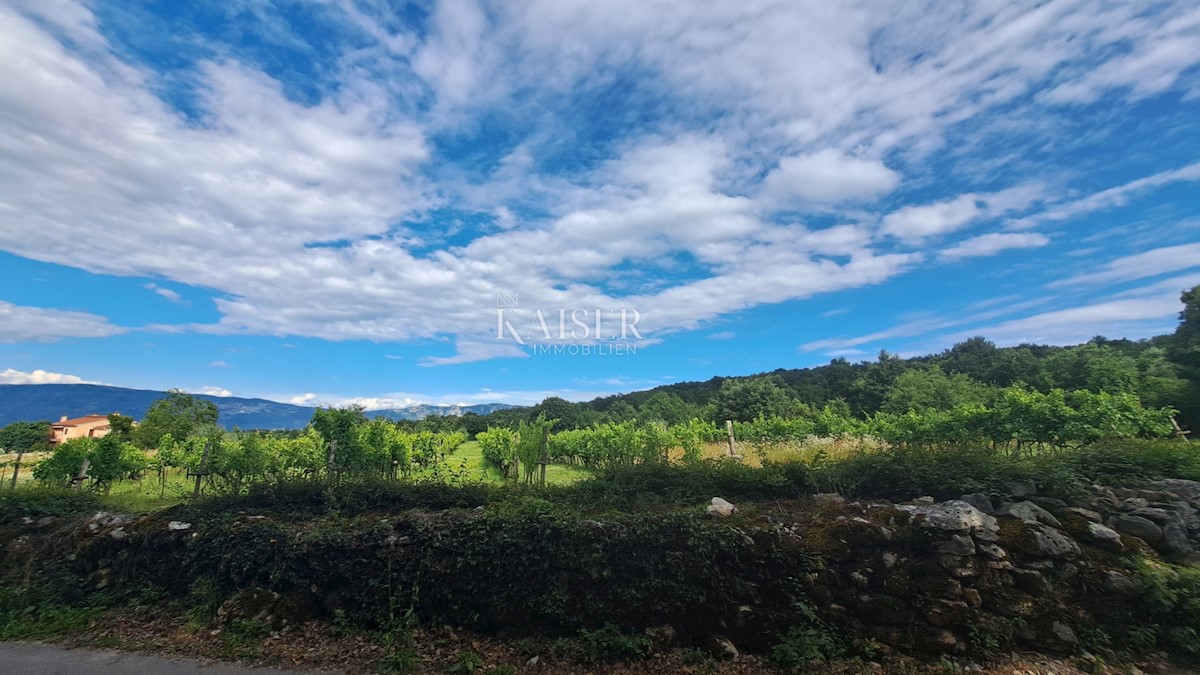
point(132, 496)
point(471, 456)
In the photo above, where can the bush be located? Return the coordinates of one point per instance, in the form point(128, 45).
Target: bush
point(36, 502)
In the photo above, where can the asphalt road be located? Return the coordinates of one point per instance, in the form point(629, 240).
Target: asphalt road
point(18, 658)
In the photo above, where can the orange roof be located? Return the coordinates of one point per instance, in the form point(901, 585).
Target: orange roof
point(86, 419)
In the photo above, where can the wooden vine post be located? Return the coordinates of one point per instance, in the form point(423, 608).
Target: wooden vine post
point(729, 433)
point(330, 464)
point(202, 470)
point(1183, 435)
point(81, 476)
point(17, 468)
point(544, 459)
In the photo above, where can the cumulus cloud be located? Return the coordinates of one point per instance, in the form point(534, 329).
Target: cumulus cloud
point(828, 176)
point(35, 324)
point(311, 215)
point(213, 391)
point(991, 244)
point(11, 376)
point(303, 399)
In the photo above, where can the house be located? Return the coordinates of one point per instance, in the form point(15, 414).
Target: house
point(88, 426)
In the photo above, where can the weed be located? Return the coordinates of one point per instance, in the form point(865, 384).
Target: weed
point(803, 645)
point(609, 643)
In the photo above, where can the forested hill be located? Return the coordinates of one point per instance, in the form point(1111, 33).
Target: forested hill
point(973, 371)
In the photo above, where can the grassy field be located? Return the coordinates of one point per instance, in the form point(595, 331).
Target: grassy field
point(469, 455)
point(147, 494)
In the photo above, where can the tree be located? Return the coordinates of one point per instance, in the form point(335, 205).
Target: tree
point(178, 414)
point(668, 408)
point(744, 399)
point(932, 388)
point(1184, 346)
point(23, 436)
point(975, 358)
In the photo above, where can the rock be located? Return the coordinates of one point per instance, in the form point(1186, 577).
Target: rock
point(971, 597)
point(937, 585)
point(959, 566)
point(720, 507)
point(829, 499)
point(955, 516)
point(1031, 581)
point(1022, 488)
point(176, 526)
point(118, 533)
point(939, 641)
point(1103, 536)
point(722, 647)
point(925, 501)
point(1137, 526)
point(1175, 539)
point(884, 609)
point(1158, 516)
point(661, 636)
point(255, 604)
point(1186, 489)
point(1056, 636)
point(1119, 583)
point(1039, 541)
point(1029, 512)
point(992, 551)
point(889, 559)
point(1085, 513)
point(1134, 503)
point(979, 501)
point(944, 613)
point(532, 662)
point(957, 544)
point(45, 520)
point(295, 608)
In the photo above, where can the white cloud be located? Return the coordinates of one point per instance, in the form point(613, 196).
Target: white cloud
point(303, 399)
point(170, 295)
point(1163, 260)
point(1111, 197)
point(469, 352)
point(914, 223)
point(245, 196)
point(213, 391)
point(11, 376)
point(991, 244)
point(828, 176)
point(218, 364)
point(19, 323)
point(1132, 317)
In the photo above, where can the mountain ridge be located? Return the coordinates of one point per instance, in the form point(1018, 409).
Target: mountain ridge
point(32, 402)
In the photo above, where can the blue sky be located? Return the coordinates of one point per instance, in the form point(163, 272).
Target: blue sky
point(321, 202)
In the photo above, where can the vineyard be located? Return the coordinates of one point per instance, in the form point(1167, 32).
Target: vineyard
point(345, 444)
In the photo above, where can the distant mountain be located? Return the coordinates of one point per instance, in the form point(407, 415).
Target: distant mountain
point(51, 401)
point(422, 410)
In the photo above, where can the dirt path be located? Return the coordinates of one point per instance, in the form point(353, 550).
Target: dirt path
point(39, 659)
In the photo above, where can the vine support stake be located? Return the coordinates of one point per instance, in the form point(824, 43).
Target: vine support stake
point(17, 468)
point(202, 470)
point(81, 476)
point(332, 458)
point(729, 432)
point(543, 460)
point(1183, 435)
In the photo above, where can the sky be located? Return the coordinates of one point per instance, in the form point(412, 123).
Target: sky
point(339, 201)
